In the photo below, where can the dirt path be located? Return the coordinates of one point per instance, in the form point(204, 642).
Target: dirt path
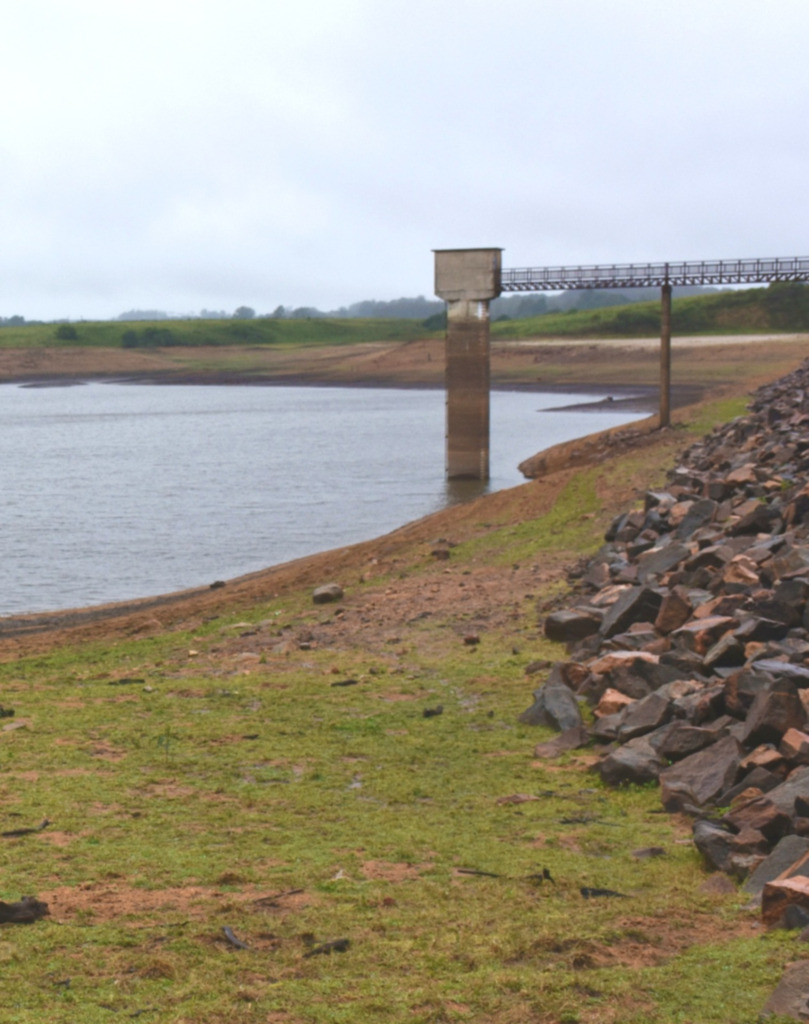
point(678, 341)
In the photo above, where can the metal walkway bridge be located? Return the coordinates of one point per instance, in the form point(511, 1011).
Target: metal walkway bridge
point(655, 275)
point(664, 276)
point(468, 279)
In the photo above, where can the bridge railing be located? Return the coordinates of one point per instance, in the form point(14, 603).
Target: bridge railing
point(645, 275)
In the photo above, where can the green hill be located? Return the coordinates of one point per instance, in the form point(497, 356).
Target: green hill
point(778, 307)
point(168, 333)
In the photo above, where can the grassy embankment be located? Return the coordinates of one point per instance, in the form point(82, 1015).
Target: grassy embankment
point(220, 776)
point(405, 353)
point(779, 307)
point(214, 776)
point(220, 333)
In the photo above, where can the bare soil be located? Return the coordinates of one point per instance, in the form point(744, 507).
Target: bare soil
point(538, 364)
point(382, 615)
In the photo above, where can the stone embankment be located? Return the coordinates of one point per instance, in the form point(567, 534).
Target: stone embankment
point(690, 639)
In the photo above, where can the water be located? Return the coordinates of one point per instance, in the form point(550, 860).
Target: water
point(116, 491)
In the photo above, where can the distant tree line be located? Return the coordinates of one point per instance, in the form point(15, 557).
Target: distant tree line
point(510, 307)
point(143, 314)
point(784, 304)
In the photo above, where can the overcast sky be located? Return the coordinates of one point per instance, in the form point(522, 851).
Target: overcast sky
point(177, 155)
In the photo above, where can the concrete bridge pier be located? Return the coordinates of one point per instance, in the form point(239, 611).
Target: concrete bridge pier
point(665, 354)
point(467, 279)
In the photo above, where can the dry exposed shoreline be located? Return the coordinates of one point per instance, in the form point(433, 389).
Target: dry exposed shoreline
point(394, 365)
point(414, 365)
point(543, 365)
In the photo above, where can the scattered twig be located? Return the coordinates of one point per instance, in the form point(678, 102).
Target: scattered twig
point(327, 948)
point(649, 851)
point(587, 820)
point(346, 682)
point(589, 893)
point(541, 876)
point(272, 900)
point(474, 871)
point(12, 833)
point(432, 712)
point(233, 940)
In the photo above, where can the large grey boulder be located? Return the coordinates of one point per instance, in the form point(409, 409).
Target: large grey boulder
point(714, 842)
point(791, 997)
point(699, 780)
point(326, 593)
point(636, 761)
point(554, 705)
point(772, 713)
point(785, 854)
point(572, 624)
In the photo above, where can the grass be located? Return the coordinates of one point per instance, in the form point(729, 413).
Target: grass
point(221, 777)
point(184, 333)
point(211, 793)
point(779, 307)
point(714, 413)
point(570, 525)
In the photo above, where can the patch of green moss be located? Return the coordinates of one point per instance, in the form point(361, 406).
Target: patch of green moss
point(712, 414)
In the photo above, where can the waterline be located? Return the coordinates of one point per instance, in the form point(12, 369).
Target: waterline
point(113, 492)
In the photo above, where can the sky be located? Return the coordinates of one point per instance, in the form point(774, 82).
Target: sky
point(181, 155)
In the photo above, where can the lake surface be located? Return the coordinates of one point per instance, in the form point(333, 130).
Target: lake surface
point(117, 491)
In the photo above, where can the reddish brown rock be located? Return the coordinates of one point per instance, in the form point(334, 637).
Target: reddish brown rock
point(795, 747)
point(741, 569)
point(779, 895)
point(701, 634)
point(675, 610)
point(620, 659)
point(741, 688)
point(764, 756)
point(612, 701)
point(772, 713)
point(760, 814)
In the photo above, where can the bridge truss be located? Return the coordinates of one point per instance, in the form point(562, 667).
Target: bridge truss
point(468, 279)
point(650, 275)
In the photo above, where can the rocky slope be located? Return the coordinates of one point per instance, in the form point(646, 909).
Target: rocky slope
point(690, 639)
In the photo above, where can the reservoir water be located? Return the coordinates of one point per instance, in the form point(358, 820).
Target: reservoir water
point(117, 491)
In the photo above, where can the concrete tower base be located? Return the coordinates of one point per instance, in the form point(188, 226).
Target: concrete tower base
point(467, 279)
point(467, 381)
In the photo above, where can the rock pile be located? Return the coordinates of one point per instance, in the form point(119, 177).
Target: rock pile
point(690, 637)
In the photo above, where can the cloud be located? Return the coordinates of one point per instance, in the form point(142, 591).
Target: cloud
point(314, 154)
